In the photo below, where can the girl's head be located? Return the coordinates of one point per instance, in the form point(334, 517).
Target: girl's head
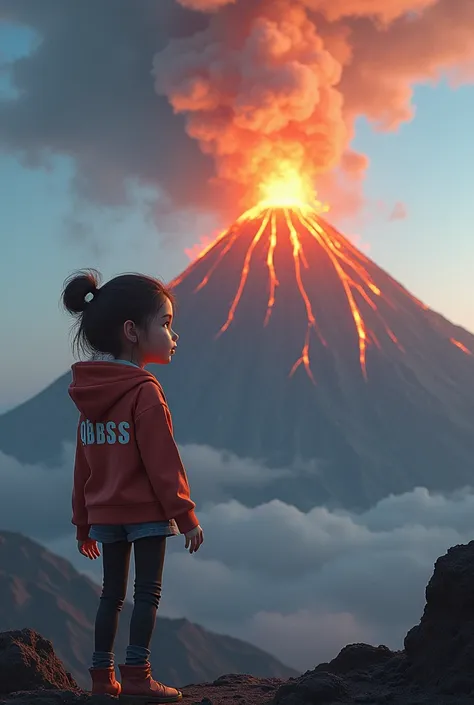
point(129, 317)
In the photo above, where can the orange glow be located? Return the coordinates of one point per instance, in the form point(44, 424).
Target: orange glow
point(200, 248)
point(280, 191)
point(460, 346)
point(298, 223)
point(285, 188)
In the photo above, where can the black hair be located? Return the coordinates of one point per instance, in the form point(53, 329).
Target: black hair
point(101, 311)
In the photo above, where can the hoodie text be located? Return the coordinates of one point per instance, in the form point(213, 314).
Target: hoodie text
point(108, 432)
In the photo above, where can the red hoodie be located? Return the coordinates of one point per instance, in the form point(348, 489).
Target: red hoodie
point(127, 469)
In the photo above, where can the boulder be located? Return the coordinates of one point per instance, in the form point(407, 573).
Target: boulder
point(28, 662)
point(440, 649)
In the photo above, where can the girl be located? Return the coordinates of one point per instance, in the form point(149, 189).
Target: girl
point(130, 486)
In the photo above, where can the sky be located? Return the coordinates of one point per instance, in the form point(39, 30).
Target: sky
point(421, 171)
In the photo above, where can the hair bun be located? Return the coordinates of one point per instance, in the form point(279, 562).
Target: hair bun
point(76, 289)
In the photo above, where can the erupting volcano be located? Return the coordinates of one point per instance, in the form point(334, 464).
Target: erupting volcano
point(297, 351)
point(283, 220)
point(297, 346)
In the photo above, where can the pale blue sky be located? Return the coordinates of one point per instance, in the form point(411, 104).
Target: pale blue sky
point(426, 165)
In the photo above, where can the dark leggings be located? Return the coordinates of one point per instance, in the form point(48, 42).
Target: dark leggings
point(149, 559)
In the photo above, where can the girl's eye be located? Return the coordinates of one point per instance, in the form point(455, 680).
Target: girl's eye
point(167, 324)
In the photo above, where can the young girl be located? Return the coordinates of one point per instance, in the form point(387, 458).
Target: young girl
point(130, 486)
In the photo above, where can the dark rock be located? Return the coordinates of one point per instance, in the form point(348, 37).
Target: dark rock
point(235, 679)
point(56, 697)
point(394, 671)
point(233, 688)
point(357, 657)
point(440, 650)
point(28, 662)
point(315, 688)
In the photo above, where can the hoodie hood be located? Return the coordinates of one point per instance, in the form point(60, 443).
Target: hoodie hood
point(98, 386)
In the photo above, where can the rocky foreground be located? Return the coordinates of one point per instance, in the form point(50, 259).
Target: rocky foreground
point(436, 666)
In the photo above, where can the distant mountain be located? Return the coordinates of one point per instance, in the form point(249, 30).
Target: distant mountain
point(295, 346)
point(44, 592)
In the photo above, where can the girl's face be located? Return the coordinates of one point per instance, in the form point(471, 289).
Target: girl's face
point(157, 343)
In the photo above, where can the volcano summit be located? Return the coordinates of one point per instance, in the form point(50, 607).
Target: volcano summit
point(297, 350)
point(300, 230)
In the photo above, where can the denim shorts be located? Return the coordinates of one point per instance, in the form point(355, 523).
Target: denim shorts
point(110, 533)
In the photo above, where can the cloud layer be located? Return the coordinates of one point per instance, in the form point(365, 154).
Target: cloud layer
point(299, 585)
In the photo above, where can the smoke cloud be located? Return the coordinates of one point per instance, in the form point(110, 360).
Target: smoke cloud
point(235, 88)
point(261, 101)
point(284, 90)
point(205, 5)
point(399, 212)
point(386, 10)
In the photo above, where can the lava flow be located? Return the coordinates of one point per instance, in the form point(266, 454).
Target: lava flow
point(283, 214)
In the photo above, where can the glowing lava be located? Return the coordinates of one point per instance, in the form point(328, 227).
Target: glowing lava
point(288, 191)
point(290, 199)
point(459, 345)
point(346, 260)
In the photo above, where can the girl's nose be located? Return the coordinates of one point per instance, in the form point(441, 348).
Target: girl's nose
point(175, 337)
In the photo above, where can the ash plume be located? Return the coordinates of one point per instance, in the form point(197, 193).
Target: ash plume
point(335, 9)
point(299, 75)
point(261, 100)
point(278, 84)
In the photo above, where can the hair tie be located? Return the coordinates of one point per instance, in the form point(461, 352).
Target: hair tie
point(89, 297)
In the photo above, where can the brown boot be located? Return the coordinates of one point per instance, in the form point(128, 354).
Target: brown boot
point(104, 682)
point(138, 686)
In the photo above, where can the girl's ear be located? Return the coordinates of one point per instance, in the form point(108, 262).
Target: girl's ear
point(130, 331)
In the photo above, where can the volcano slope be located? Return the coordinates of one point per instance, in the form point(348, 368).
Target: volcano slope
point(297, 350)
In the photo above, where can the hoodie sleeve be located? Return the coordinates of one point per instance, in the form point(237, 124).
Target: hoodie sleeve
point(160, 456)
point(79, 511)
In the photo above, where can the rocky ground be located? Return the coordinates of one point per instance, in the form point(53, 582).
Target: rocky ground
point(436, 666)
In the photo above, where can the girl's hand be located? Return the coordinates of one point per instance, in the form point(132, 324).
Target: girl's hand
point(89, 549)
point(194, 539)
